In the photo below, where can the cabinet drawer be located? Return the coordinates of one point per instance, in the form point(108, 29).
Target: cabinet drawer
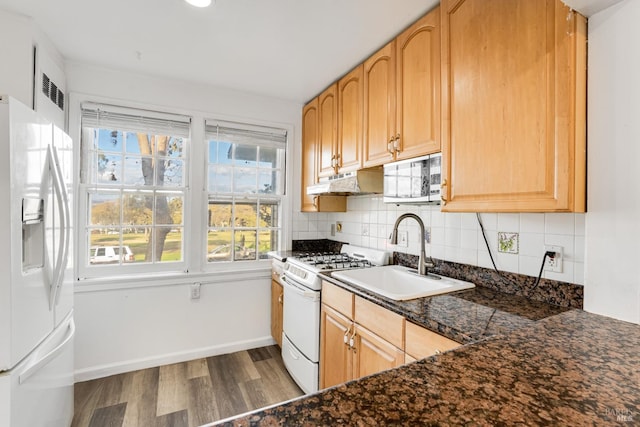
point(382, 322)
point(421, 342)
point(337, 298)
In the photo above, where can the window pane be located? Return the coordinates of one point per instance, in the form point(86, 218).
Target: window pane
point(219, 245)
point(220, 214)
point(108, 168)
point(246, 215)
point(109, 140)
point(220, 179)
point(245, 247)
point(220, 152)
point(133, 167)
point(268, 215)
point(170, 173)
point(245, 155)
point(267, 181)
point(175, 148)
point(172, 250)
point(104, 209)
point(267, 241)
point(163, 210)
point(245, 180)
point(268, 157)
point(137, 240)
point(137, 209)
point(176, 209)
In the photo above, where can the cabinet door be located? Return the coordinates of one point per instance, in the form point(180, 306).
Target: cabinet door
point(349, 153)
point(382, 322)
point(276, 311)
point(309, 154)
point(418, 90)
point(335, 354)
point(421, 342)
point(513, 105)
point(372, 354)
point(328, 130)
point(379, 107)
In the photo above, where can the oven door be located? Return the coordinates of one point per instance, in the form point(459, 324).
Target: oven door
point(301, 322)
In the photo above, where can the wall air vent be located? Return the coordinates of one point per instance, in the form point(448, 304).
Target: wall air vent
point(51, 91)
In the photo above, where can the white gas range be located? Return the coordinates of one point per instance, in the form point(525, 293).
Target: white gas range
point(301, 324)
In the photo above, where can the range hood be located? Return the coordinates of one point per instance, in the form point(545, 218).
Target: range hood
point(366, 181)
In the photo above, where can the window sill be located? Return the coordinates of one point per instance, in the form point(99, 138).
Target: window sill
point(223, 274)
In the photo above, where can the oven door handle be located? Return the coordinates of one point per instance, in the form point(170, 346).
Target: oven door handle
point(299, 289)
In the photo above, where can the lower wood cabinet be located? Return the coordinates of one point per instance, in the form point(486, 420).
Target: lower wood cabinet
point(336, 357)
point(373, 354)
point(360, 338)
point(357, 337)
point(421, 342)
point(277, 298)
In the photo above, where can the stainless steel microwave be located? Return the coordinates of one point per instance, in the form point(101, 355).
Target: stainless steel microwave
point(413, 181)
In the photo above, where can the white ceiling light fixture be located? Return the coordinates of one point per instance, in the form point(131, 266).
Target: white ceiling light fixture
point(199, 3)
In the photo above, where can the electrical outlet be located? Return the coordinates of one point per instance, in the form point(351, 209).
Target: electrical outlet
point(195, 291)
point(403, 239)
point(553, 263)
point(365, 229)
point(333, 229)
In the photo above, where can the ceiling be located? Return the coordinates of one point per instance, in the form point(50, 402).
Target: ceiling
point(289, 49)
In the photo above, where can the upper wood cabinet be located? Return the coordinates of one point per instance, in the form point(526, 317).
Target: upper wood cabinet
point(309, 153)
point(514, 87)
point(418, 87)
point(310, 156)
point(402, 95)
point(348, 155)
point(380, 106)
point(327, 130)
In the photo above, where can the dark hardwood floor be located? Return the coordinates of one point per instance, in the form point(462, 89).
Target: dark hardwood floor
point(186, 394)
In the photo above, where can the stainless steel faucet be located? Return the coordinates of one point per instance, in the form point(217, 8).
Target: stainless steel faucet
point(422, 261)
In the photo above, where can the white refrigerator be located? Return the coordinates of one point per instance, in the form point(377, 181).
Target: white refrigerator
point(36, 270)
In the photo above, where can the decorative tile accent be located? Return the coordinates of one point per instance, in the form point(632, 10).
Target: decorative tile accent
point(508, 243)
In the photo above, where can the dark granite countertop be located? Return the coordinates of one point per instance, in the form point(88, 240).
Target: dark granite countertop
point(574, 368)
point(465, 316)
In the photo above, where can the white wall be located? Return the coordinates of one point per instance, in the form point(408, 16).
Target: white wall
point(125, 329)
point(19, 35)
point(16, 51)
point(613, 220)
point(131, 325)
point(456, 236)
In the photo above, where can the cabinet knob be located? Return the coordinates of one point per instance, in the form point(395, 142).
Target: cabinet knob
point(315, 201)
point(396, 143)
point(280, 299)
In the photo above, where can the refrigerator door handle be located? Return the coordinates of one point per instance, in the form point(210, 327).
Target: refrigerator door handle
point(35, 367)
point(66, 223)
point(61, 194)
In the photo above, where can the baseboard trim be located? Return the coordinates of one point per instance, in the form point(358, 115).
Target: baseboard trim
point(102, 371)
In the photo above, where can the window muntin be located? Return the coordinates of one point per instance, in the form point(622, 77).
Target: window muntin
point(133, 180)
point(245, 182)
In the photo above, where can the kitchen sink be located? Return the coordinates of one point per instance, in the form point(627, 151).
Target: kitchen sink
point(400, 283)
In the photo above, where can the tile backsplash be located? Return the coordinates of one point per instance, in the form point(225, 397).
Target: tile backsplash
point(456, 237)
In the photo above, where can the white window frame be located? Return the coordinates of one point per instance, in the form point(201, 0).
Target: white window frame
point(86, 270)
point(280, 140)
point(195, 222)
